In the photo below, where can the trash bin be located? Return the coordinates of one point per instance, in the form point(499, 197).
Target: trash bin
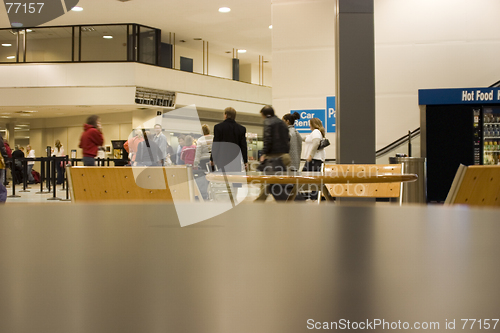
point(413, 192)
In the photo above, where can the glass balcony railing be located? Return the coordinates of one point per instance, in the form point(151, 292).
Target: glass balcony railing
point(125, 43)
point(82, 43)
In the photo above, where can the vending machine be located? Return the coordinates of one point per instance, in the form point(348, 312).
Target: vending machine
point(491, 135)
point(458, 126)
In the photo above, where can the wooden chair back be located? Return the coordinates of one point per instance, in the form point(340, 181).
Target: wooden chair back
point(477, 185)
point(372, 190)
point(97, 184)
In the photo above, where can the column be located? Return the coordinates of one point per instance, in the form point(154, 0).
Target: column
point(355, 63)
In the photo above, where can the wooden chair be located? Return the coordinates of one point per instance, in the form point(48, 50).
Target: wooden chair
point(96, 184)
point(477, 185)
point(364, 190)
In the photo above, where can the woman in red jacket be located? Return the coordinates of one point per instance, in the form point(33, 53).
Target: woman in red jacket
point(91, 140)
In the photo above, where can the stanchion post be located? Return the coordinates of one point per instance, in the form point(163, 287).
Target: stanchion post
point(25, 175)
point(42, 175)
point(66, 163)
point(47, 172)
point(53, 172)
point(14, 178)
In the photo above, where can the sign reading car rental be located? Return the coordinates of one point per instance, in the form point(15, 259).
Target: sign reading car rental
point(327, 117)
point(302, 125)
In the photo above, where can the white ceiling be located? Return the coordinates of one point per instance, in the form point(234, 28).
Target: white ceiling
point(245, 27)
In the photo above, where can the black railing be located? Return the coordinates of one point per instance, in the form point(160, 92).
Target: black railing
point(48, 174)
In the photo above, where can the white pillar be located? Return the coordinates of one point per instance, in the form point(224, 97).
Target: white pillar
point(303, 56)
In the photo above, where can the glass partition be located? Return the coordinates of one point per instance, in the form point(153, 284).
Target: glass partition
point(147, 49)
point(104, 43)
point(8, 46)
point(49, 44)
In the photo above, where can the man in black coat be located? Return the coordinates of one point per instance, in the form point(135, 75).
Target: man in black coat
point(229, 144)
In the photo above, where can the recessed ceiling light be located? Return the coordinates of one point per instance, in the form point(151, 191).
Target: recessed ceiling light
point(6, 45)
point(77, 9)
point(271, 26)
point(11, 57)
point(197, 38)
point(242, 51)
point(224, 9)
point(29, 30)
point(5, 117)
point(107, 37)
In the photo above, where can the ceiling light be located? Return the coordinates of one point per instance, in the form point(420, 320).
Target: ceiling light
point(29, 30)
point(17, 25)
point(197, 38)
point(77, 9)
point(242, 51)
point(271, 26)
point(11, 57)
point(224, 9)
point(6, 45)
point(107, 37)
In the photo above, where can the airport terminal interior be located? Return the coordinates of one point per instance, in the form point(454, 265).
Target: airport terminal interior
point(124, 213)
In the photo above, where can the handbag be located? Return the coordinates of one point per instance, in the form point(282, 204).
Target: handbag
point(323, 143)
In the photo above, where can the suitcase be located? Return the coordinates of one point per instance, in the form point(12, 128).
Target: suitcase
point(36, 176)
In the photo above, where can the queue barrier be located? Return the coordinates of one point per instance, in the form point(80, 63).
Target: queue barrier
point(476, 185)
point(367, 190)
point(98, 184)
point(48, 176)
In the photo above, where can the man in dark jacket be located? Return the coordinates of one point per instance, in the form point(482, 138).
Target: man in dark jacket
point(276, 149)
point(229, 143)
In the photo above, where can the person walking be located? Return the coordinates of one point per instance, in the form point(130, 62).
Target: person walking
point(17, 168)
point(91, 139)
point(276, 148)
point(295, 140)
point(203, 148)
point(314, 156)
point(161, 141)
point(7, 164)
point(31, 154)
point(229, 142)
point(202, 160)
point(178, 159)
point(58, 151)
point(189, 150)
point(131, 145)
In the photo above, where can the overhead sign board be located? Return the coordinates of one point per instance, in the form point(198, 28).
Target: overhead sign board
point(459, 96)
point(327, 117)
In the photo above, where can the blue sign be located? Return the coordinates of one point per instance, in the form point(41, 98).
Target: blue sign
point(302, 125)
point(331, 119)
point(459, 96)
